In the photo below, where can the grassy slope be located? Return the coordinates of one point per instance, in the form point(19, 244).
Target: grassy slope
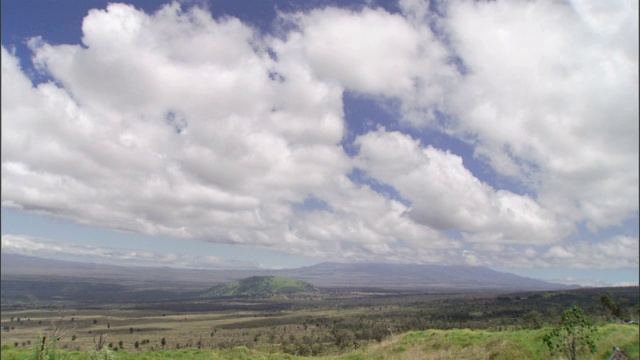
point(481, 344)
point(429, 344)
point(259, 286)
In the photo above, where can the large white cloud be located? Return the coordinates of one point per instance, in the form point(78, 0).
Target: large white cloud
point(377, 53)
point(178, 124)
point(551, 98)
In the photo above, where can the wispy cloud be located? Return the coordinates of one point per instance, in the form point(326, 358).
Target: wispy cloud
point(58, 250)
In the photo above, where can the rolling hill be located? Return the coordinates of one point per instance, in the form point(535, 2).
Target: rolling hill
point(259, 286)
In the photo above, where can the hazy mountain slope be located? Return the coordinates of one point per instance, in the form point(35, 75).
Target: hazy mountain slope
point(410, 277)
point(416, 276)
point(20, 266)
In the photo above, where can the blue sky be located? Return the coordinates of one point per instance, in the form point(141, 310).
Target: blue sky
point(235, 134)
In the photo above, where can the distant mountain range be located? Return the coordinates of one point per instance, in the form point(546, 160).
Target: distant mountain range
point(324, 275)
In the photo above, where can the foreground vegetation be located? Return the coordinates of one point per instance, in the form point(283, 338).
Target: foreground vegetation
point(428, 344)
point(338, 325)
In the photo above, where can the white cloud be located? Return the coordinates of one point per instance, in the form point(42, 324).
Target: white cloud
point(617, 252)
point(153, 133)
point(377, 53)
point(445, 195)
point(551, 98)
point(181, 125)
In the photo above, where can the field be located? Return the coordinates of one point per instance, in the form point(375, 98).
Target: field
point(431, 344)
point(345, 324)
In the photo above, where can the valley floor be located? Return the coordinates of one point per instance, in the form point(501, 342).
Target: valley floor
point(339, 325)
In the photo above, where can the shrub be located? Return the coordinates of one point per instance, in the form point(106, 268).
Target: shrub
point(103, 354)
point(574, 333)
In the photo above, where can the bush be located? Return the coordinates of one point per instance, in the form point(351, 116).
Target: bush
point(103, 354)
point(574, 334)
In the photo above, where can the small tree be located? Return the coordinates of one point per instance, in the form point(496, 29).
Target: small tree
point(47, 350)
point(532, 319)
point(615, 308)
point(99, 344)
point(574, 333)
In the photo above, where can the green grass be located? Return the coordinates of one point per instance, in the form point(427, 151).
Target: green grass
point(428, 344)
point(482, 344)
point(623, 336)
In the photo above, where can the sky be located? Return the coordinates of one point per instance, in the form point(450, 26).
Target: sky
point(225, 134)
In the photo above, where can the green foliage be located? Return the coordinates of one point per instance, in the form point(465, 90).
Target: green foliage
point(608, 303)
point(574, 333)
point(532, 319)
point(615, 308)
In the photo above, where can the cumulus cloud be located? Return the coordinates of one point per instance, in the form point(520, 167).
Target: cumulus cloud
point(178, 124)
point(447, 196)
point(141, 135)
point(394, 57)
point(551, 98)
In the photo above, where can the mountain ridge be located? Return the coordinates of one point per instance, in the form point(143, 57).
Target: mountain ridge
point(423, 276)
point(326, 274)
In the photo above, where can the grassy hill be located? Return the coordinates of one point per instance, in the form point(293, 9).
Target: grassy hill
point(259, 286)
point(482, 344)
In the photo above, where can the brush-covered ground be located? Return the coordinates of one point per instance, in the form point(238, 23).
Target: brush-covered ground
point(327, 325)
point(428, 344)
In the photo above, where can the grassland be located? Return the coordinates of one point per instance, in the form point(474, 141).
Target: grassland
point(338, 325)
point(429, 344)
